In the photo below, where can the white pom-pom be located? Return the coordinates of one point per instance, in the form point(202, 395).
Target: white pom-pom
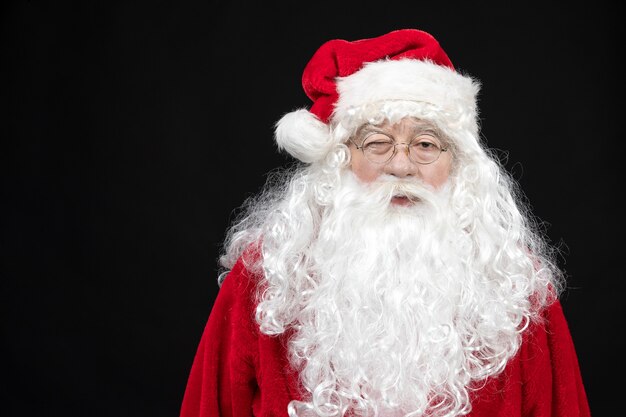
point(303, 136)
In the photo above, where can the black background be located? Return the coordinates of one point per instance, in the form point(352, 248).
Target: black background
point(132, 130)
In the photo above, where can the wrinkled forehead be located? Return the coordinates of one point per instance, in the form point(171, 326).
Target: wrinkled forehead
point(388, 113)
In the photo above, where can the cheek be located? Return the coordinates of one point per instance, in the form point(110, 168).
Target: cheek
point(436, 175)
point(363, 170)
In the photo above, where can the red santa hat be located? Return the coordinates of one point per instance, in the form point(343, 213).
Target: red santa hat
point(401, 73)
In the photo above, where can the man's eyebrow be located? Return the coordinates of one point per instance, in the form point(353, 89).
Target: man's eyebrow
point(418, 128)
point(426, 127)
point(367, 128)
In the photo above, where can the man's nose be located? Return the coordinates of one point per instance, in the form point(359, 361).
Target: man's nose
point(400, 164)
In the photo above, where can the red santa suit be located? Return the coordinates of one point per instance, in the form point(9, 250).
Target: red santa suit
point(240, 372)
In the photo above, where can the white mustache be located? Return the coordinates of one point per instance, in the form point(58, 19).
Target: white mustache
point(413, 190)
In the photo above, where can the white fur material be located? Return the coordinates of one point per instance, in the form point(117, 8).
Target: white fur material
point(451, 94)
point(303, 135)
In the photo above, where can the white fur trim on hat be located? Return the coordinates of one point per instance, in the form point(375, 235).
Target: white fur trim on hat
point(384, 89)
point(452, 95)
point(303, 135)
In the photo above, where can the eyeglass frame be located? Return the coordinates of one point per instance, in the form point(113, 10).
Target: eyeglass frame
point(395, 149)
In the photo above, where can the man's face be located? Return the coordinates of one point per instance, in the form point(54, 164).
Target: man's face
point(421, 134)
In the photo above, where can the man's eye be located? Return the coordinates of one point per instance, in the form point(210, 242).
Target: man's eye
point(425, 144)
point(378, 146)
point(378, 143)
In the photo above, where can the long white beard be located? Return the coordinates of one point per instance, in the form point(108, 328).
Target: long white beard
point(393, 323)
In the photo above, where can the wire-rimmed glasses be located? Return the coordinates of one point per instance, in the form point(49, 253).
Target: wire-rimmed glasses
point(380, 148)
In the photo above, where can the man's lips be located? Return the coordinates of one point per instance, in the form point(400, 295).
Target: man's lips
point(401, 200)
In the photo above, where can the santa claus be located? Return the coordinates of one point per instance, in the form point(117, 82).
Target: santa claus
point(397, 270)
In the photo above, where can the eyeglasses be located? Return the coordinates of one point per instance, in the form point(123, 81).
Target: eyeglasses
point(380, 148)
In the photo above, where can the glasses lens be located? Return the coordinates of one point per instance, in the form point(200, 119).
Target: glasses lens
point(424, 151)
point(378, 148)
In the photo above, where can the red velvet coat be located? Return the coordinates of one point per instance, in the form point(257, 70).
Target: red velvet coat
point(239, 372)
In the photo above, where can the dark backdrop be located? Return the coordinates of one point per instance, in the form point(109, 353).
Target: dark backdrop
point(132, 130)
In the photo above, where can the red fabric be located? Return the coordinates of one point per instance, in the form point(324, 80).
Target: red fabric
point(239, 372)
point(340, 58)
